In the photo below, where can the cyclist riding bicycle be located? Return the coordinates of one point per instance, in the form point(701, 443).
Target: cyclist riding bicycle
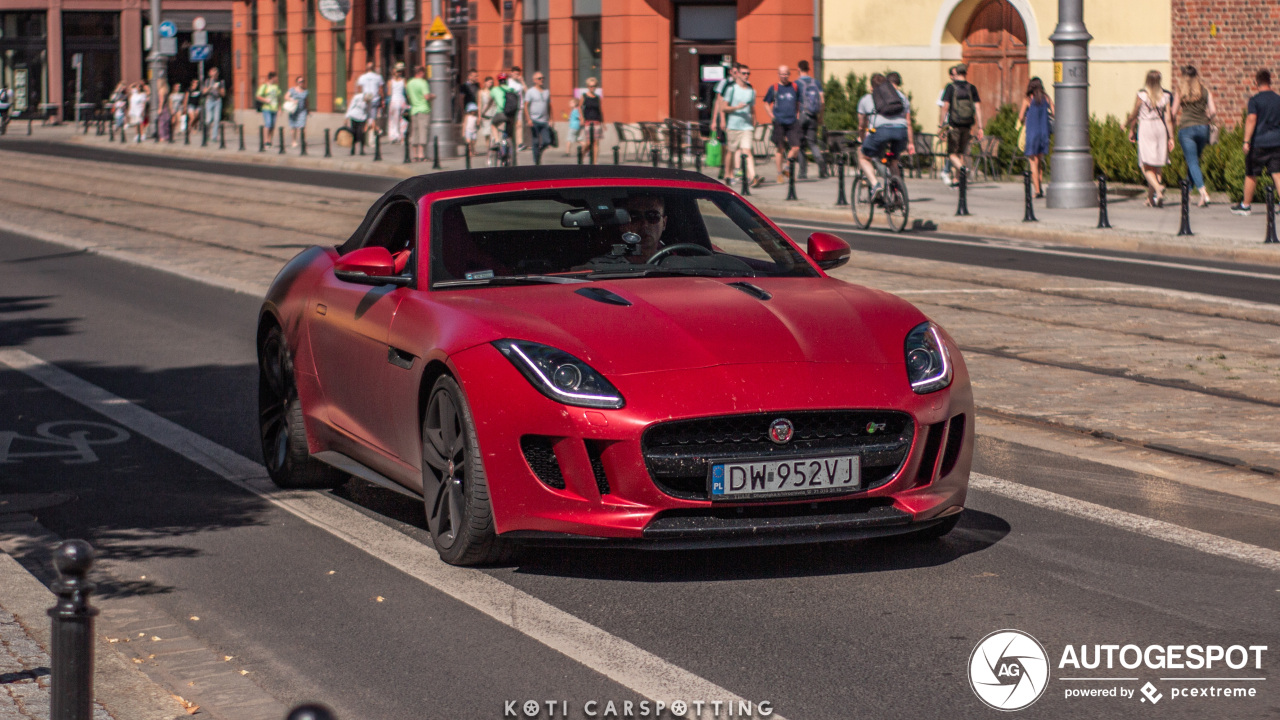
point(504, 97)
point(884, 122)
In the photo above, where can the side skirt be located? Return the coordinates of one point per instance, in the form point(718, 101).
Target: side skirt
point(353, 467)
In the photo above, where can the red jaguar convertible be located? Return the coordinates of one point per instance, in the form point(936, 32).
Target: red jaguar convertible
point(615, 356)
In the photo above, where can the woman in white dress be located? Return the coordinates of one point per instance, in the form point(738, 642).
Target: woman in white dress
point(137, 110)
point(396, 105)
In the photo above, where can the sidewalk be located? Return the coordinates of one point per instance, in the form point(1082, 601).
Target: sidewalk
point(996, 208)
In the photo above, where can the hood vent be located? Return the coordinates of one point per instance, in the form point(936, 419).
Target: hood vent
point(758, 293)
point(605, 296)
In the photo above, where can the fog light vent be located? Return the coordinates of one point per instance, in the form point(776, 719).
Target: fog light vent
point(539, 452)
point(595, 451)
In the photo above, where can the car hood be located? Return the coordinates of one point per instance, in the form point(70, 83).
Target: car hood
point(679, 323)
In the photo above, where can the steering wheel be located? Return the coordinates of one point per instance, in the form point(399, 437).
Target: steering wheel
point(654, 258)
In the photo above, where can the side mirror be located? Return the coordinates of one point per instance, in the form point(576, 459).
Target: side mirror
point(828, 251)
point(368, 266)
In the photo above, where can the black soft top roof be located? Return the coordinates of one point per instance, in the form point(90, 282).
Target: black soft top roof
point(415, 187)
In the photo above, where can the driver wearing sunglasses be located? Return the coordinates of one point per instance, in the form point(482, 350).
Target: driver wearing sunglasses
point(649, 221)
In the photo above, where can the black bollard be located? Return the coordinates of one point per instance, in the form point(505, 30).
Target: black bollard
point(679, 142)
point(377, 146)
point(405, 140)
point(746, 183)
point(467, 156)
point(1103, 221)
point(435, 153)
point(1185, 228)
point(29, 126)
point(841, 197)
point(281, 129)
point(591, 137)
point(262, 142)
point(791, 180)
point(112, 129)
point(240, 133)
point(354, 138)
point(222, 140)
point(123, 134)
point(1029, 215)
point(962, 205)
point(653, 155)
point(328, 152)
point(302, 141)
point(1271, 215)
point(617, 158)
point(579, 154)
point(697, 161)
point(310, 711)
point(71, 636)
point(204, 135)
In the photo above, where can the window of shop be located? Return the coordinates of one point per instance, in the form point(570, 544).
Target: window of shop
point(282, 59)
point(253, 61)
point(95, 37)
point(340, 71)
point(253, 15)
point(23, 66)
point(537, 50)
point(589, 54)
point(707, 22)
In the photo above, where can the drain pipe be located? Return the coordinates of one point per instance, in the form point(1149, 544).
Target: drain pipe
point(817, 43)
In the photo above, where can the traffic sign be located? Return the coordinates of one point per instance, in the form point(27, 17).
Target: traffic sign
point(168, 46)
point(201, 53)
point(335, 10)
point(438, 30)
point(168, 29)
point(199, 37)
point(197, 22)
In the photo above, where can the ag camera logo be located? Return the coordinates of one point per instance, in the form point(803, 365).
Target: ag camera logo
point(1009, 670)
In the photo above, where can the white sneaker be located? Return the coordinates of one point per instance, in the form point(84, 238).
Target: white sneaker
point(946, 177)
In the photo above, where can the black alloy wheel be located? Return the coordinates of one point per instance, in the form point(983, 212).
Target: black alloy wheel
point(454, 489)
point(280, 424)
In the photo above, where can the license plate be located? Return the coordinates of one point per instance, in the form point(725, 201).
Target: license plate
point(775, 478)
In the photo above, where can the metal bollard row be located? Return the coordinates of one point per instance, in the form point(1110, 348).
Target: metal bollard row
point(1185, 227)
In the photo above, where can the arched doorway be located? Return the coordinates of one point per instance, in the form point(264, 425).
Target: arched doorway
point(995, 49)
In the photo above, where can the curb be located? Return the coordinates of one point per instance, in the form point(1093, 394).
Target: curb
point(119, 687)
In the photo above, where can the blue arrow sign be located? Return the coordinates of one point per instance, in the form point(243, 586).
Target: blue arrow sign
point(201, 52)
point(168, 29)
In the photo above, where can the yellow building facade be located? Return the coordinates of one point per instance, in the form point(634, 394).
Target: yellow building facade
point(1004, 42)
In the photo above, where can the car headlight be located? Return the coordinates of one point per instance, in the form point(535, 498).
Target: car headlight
point(928, 360)
point(560, 376)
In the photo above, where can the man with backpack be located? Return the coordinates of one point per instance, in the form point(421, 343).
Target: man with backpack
point(783, 103)
point(961, 118)
point(884, 122)
point(811, 101)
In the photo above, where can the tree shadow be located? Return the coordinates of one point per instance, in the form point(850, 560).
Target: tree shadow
point(15, 332)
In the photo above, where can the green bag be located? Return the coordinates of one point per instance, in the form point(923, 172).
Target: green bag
point(713, 153)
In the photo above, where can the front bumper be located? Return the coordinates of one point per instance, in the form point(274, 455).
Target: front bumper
point(605, 491)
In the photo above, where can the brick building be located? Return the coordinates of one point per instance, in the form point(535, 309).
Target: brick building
point(654, 58)
point(1228, 41)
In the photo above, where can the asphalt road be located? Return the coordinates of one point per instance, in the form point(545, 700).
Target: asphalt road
point(877, 629)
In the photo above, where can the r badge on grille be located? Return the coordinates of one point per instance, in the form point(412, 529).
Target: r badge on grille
point(781, 431)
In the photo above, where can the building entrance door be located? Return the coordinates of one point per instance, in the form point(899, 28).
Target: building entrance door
point(995, 49)
point(695, 70)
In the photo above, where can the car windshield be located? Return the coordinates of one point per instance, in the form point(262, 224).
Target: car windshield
point(585, 234)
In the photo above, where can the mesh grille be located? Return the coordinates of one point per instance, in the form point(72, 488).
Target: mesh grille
point(541, 456)
point(679, 453)
point(595, 451)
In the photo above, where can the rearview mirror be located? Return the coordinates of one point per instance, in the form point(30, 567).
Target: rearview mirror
point(828, 251)
point(368, 266)
point(588, 218)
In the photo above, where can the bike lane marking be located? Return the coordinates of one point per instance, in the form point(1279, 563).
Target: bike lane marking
point(617, 659)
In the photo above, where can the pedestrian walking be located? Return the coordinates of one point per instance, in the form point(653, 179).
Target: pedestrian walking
point(295, 108)
point(471, 128)
point(419, 96)
point(397, 105)
point(942, 122)
point(358, 116)
point(178, 108)
point(1149, 125)
point(1037, 109)
point(515, 81)
point(1194, 113)
point(6, 104)
point(486, 108)
point(137, 111)
point(469, 91)
point(592, 117)
point(812, 101)
point(195, 105)
point(372, 84)
point(268, 97)
point(537, 112)
point(961, 117)
point(1261, 139)
point(718, 119)
point(740, 125)
point(575, 126)
point(164, 118)
point(120, 106)
point(213, 90)
point(782, 101)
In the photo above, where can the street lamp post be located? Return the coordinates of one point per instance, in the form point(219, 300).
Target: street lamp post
point(158, 65)
point(1072, 182)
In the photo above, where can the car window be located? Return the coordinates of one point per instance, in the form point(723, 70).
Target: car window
point(615, 229)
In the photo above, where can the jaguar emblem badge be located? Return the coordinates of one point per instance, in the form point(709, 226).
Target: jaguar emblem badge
point(781, 431)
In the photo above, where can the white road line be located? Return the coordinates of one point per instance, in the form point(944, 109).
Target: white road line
point(1180, 294)
point(1060, 253)
point(615, 658)
point(1158, 529)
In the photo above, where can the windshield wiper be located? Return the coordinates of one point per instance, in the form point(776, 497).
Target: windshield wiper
point(514, 280)
point(664, 272)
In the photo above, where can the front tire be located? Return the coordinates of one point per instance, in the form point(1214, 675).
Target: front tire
point(896, 204)
point(454, 488)
point(862, 207)
point(280, 424)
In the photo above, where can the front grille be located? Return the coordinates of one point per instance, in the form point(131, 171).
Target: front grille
point(679, 453)
point(539, 452)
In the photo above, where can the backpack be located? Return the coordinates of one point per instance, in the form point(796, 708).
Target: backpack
point(963, 111)
point(810, 96)
point(887, 100)
point(510, 102)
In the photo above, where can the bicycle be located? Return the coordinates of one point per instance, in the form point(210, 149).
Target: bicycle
point(890, 194)
point(500, 153)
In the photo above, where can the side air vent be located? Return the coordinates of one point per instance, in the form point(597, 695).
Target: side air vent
point(929, 459)
point(539, 452)
point(607, 297)
point(595, 451)
point(754, 291)
point(955, 440)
